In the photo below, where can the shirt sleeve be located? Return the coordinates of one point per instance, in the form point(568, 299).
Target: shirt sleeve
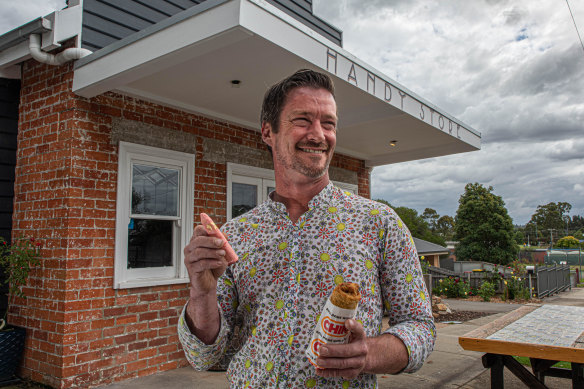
point(203, 356)
point(405, 295)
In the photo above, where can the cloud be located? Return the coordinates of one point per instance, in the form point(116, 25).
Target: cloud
point(566, 151)
point(514, 72)
point(17, 13)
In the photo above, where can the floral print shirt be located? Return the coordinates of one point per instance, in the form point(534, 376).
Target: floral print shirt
point(270, 300)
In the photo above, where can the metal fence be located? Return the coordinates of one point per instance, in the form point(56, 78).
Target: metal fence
point(544, 281)
point(552, 279)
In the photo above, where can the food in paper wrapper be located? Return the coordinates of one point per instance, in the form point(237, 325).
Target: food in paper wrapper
point(341, 306)
point(212, 230)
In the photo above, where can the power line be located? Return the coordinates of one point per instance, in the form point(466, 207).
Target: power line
point(577, 32)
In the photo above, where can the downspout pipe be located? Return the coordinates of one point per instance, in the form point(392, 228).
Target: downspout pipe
point(64, 56)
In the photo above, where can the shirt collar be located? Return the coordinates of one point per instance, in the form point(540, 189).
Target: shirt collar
point(324, 197)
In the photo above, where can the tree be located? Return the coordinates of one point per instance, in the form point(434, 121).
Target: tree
point(577, 223)
point(445, 227)
point(431, 217)
point(552, 216)
point(567, 242)
point(483, 227)
point(416, 224)
point(519, 236)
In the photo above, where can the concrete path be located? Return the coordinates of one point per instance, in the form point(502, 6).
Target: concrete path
point(449, 366)
point(480, 306)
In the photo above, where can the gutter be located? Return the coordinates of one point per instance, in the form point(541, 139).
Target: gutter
point(20, 34)
point(36, 38)
point(51, 59)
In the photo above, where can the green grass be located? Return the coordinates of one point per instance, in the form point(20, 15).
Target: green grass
point(525, 361)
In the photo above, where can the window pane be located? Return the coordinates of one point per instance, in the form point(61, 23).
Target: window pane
point(269, 190)
point(149, 243)
point(155, 190)
point(244, 198)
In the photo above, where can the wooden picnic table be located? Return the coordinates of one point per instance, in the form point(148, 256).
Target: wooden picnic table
point(546, 334)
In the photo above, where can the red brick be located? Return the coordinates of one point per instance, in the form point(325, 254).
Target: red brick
point(157, 360)
point(87, 357)
point(125, 338)
point(137, 346)
point(126, 319)
point(148, 353)
point(87, 336)
point(138, 365)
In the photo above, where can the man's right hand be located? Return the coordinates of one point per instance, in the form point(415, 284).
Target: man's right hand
point(205, 262)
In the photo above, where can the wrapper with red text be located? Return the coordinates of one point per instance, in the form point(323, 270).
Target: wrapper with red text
point(331, 324)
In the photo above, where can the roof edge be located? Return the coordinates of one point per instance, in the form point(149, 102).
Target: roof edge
point(150, 30)
point(20, 34)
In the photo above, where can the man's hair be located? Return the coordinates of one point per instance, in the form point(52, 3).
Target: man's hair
point(275, 97)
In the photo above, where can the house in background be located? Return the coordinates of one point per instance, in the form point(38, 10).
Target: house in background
point(451, 247)
point(429, 251)
point(156, 122)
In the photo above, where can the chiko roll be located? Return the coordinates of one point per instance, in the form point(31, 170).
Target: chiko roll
point(341, 306)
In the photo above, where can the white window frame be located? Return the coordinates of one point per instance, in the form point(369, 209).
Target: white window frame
point(129, 154)
point(263, 178)
point(347, 187)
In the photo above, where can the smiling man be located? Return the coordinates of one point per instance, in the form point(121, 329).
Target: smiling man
point(294, 249)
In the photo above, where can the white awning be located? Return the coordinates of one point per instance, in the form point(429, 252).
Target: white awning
point(190, 60)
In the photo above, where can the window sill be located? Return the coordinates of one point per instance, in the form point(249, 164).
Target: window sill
point(146, 282)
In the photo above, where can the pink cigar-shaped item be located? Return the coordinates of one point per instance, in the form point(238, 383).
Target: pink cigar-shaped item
point(214, 231)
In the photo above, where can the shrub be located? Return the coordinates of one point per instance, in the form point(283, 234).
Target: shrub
point(494, 277)
point(452, 288)
point(17, 260)
point(514, 289)
point(486, 291)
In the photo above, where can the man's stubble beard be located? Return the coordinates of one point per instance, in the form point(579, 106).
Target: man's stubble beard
point(309, 171)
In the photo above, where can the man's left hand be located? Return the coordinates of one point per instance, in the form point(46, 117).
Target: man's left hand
point(344, 360)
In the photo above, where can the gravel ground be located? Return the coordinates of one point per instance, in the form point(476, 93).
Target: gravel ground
point(461, 316)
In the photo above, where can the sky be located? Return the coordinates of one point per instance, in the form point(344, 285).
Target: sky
point(511, 69)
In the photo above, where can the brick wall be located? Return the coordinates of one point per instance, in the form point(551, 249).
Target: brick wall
point(82, 332)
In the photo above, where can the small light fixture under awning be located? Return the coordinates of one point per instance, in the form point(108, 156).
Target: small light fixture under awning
point(392, 143)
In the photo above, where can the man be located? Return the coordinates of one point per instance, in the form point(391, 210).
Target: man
point(293, 250)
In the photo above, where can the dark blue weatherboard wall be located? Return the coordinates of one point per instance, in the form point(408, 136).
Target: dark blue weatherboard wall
point(107, 21)
point(9, 101)
point(301, 10)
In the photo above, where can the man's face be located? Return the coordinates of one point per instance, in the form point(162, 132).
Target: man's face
point(307, 133)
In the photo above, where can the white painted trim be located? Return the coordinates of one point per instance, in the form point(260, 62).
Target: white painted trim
point(151, 282)
point(14, 55)
point(129, 152)
point(166, 46)
point(262, 177)
point(267, 178)
point(251, 171)
point(66, 24)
